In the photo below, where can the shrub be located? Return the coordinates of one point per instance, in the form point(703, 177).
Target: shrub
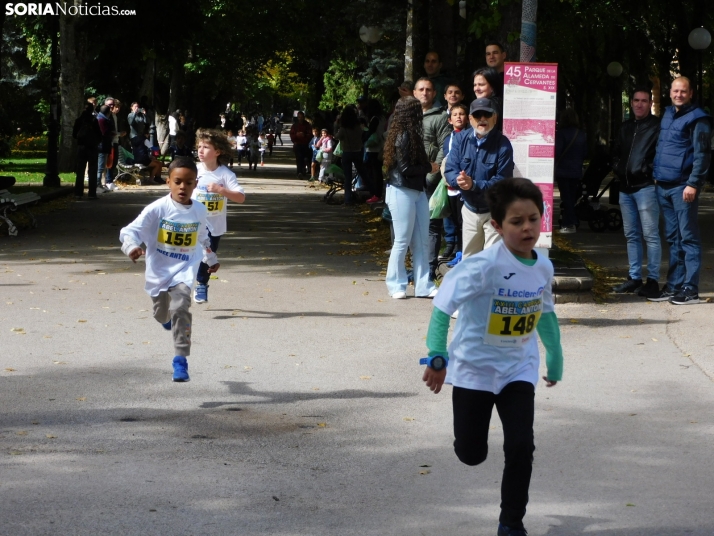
point(23, 142)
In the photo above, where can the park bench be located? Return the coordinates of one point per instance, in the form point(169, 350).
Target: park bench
point(131, 173)
point(10, 202)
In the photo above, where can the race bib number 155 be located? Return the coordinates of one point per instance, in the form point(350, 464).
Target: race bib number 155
point(177, 235)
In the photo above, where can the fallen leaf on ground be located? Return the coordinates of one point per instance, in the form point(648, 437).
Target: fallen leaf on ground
point(409, 419)
point(365, 377)
point(82, 398)
point(81, 321)
point(50, 436)
point(655, 340)
point(322, 424)
point(424, 472)
point(19, 331)
point(21, 432)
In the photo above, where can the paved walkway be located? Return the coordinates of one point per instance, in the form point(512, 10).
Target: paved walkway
point(306, 414)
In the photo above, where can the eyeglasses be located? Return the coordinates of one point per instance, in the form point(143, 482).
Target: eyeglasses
point(478, 114)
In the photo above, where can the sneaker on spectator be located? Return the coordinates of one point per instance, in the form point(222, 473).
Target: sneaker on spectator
point(631, 285)
point(456, 260)
point(649, 290)
point(448, 252)
point(166, 325)
point(373, 199)
point(111, 187)
point(399, 295)
point(685, 297)
point(664, 295)
point(568, 229)
point(200, 293)
point(180, 369)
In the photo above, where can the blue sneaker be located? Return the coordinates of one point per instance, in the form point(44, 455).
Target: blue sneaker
point(167, 326)
point(200, 293)
point(180, 369)
point(456, 260)
point(503, 530)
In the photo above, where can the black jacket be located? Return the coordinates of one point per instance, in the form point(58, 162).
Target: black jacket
point(634, 153)
point(405, 173)
point(86, 130)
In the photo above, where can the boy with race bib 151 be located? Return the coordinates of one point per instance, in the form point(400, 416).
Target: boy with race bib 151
point(503, 295)
point(216, 184)
point(174, 233)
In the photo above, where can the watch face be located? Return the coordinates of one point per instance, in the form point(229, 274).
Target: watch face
point(438, 363)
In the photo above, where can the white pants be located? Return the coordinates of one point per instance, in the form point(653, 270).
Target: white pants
point(477, 232)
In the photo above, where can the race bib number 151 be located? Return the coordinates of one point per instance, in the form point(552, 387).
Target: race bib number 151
point(511, 322)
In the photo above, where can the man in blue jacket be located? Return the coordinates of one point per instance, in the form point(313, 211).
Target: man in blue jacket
point(478, 159)
point(681, 166)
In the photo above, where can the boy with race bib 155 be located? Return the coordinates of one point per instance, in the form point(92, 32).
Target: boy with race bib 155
point(503, 295)
point(216, 185)
point(173, 230)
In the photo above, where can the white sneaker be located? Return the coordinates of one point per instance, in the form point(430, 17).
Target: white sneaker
point(111, 187)
point(568, 229)
point(433, 293)
point(399, 295)
point(456, 314)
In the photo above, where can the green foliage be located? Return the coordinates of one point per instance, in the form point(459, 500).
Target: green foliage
point(342, 86)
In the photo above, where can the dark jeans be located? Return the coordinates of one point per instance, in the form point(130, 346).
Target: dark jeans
point(569, 194)
point(203, 275)
point(681, 230)
point(375, 178)
point(349, 158)
point(452, 224)
point(86, 156)
point(472, 415)
point(303, 155)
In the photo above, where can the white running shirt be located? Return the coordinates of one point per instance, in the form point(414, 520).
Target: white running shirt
point(215, 203)
point(500, 301)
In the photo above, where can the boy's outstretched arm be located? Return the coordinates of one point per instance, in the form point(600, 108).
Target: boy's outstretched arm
point(549, 333)
point(436, 344)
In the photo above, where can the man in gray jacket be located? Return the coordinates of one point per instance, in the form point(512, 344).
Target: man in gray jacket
point(436, 130)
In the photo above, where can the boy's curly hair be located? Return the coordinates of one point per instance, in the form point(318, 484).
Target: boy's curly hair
point(219, 141)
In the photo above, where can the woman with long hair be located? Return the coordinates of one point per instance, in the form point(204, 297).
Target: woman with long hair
point(407, 165)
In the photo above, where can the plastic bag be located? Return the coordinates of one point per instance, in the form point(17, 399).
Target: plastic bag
point(319, 156)
point(439, 202)
point(338, 150)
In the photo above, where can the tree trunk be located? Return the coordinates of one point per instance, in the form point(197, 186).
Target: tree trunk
point(443, 33)
point(162, 132)
point(421, 35)
point(528, 30)
point(147, 85)
point(510, 24)
point(73, 63)
point(175, 87)
point(409, 48)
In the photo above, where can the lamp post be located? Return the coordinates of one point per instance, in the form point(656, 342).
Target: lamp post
point(369, 35)
point(614, 70)
point(699, 39)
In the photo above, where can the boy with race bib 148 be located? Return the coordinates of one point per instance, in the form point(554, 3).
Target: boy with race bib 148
point(174, 233)
point(503, 295)
point(216, 185)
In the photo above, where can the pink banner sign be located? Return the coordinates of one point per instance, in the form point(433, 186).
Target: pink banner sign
point(541, 151)
point(541, 76)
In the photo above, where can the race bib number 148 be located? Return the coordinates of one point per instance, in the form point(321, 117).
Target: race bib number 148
point(512, 321)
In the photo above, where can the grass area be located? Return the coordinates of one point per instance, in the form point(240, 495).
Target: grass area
point(29, 170)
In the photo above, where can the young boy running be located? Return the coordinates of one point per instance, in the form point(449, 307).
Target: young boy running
point(216, 183)
point(503, 295)
point(172, 228)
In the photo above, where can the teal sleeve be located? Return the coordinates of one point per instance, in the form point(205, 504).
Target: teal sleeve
point(438, 333)
point(549, 333)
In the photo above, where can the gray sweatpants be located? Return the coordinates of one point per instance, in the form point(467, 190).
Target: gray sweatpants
point(173, 305)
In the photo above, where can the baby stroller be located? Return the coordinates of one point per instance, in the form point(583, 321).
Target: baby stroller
point(588, 208)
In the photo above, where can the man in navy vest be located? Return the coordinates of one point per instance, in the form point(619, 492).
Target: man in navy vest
point(681, 166)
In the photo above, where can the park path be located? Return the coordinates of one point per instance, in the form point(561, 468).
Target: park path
point(305, 414)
